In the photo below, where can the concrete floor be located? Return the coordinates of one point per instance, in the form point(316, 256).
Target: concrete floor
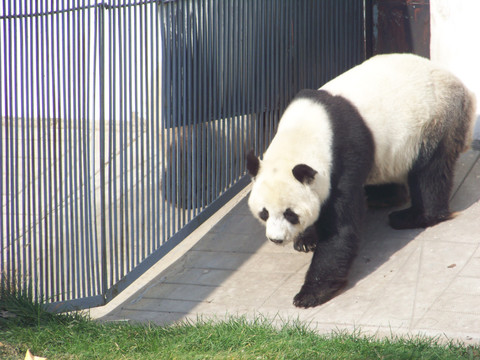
point(402, 282)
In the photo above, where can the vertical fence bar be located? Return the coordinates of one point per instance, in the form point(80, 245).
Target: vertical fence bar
point(8, 104)
point(190, 120)
point(122, 143)
point(63, 179)
point(15, 175)
point(208, 84)
point(197, 120)
point(40, 154)
point(140, 133)
point(3, 239)
point(54, 221)
point(91, 244)
point(82, 271)
point(176, 113)
point(124, 139)
point(162, 30)
point(159, 134)
point(166, 73)
point(49, 209)
point(24, 262)
point(57, 166)
point(110, 81)
point(75, 125)
point(33, 162)
point(138, 139)
point(101, 62)
point(12, 152)
point(130, 116)
point(69, 154)
point(150, 129)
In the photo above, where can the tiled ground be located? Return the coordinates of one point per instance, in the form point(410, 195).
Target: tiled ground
point(402, 282)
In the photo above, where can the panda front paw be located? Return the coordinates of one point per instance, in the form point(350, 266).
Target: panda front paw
point(304, 246)
point(306, 241)
point(316, 294)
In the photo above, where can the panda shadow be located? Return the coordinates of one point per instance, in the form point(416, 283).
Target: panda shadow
point(466, 191)
point(378, 243)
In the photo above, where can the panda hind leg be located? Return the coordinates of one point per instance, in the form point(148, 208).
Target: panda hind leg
point(430, 187)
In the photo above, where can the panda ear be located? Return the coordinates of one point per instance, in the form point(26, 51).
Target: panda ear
point(304, 173)
point(253, 164)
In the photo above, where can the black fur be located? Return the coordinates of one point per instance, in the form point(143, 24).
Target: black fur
point(263, 214)
point(253, 164)
point(386, 195)
point(336, 232)
point(291, 216)
point(303, 173)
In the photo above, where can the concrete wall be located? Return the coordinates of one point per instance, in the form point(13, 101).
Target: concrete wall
point(455, 34)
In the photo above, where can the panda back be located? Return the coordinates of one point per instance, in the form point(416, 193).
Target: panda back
point(403, 100)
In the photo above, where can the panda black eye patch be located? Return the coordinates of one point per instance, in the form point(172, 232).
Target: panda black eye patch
point(291, 217)
point(263, 214)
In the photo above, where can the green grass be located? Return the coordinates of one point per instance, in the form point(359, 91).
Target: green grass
point(77, 337)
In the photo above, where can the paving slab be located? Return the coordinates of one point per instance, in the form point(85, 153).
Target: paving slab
point(401, 283)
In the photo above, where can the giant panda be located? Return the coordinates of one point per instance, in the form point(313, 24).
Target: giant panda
point(394, 119)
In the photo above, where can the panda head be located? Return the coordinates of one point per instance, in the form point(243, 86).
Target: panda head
point(286, 199)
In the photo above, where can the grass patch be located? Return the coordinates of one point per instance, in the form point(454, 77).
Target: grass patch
point(77, 337)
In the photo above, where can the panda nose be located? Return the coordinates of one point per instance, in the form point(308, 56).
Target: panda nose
point(276, 241)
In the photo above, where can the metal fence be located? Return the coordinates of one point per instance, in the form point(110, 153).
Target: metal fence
point(124, 125)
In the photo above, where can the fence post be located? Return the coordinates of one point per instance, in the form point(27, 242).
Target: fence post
point(101, 63)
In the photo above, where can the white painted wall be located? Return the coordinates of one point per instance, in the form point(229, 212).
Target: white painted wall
point(455, 42)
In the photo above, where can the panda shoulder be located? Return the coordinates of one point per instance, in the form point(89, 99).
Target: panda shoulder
point(306, 108)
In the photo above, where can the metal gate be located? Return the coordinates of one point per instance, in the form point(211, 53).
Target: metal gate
point(124, 125)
